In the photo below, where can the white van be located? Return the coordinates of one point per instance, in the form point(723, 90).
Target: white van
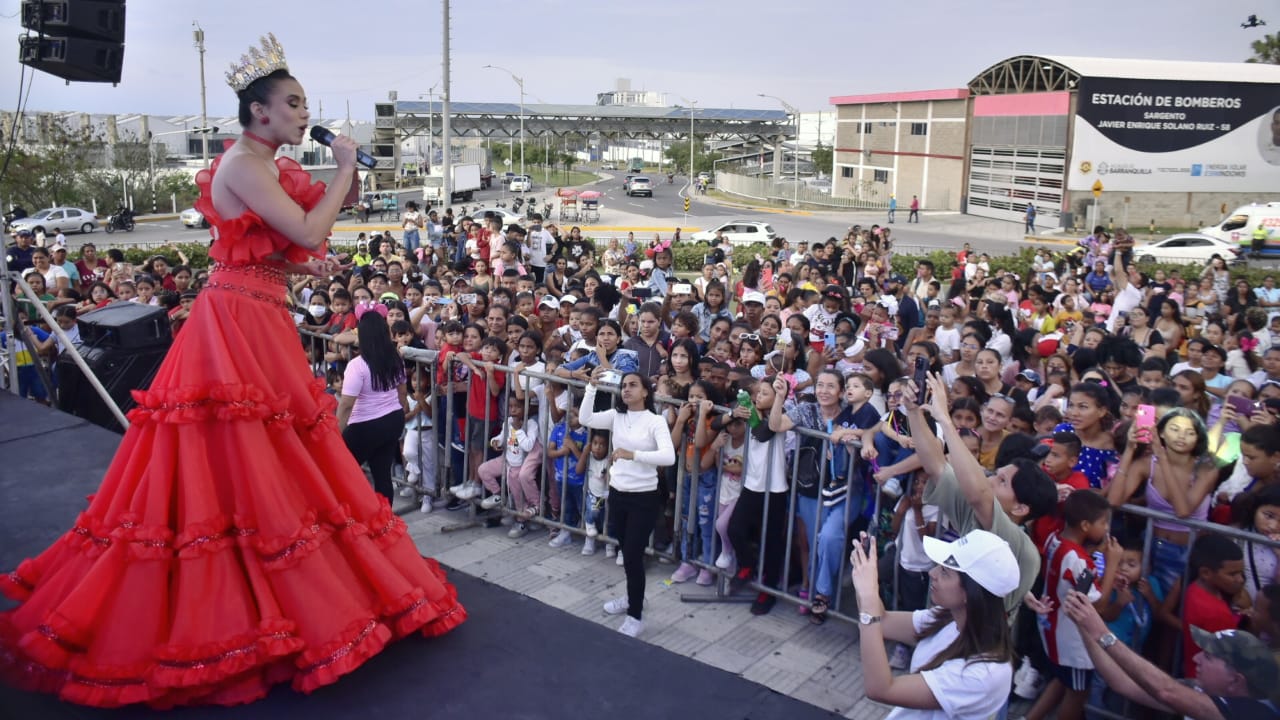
point(1238, 227)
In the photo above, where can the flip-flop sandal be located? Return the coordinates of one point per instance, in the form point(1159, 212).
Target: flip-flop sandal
point(818, 610)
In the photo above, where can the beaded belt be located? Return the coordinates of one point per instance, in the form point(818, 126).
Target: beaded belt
point(222, 277)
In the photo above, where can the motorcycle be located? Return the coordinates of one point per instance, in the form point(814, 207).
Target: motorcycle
point(671, 178)
point(546, 210)
point(121, 219)
point(531, 209)
point(517, 204)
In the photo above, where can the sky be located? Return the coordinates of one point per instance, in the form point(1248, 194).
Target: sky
point(718, 54)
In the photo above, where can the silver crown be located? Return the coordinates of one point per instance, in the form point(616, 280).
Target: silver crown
point(257, 63)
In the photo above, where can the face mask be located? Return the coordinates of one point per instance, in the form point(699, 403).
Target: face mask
point(318, 311)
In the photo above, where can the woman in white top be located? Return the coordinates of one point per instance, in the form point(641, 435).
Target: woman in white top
point(961, 667)
point(641, 444)
point(411, 224)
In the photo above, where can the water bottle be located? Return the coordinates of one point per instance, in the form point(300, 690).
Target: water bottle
point(744, 399)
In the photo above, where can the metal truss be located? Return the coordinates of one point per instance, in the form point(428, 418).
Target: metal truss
point(1024, 74)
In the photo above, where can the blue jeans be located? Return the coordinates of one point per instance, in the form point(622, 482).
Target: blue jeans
point(826, 543)
point(571, 509)
point(594, 512)
point(705, 521)
point(412, 242)
point(1168, 561)
point(890, 452)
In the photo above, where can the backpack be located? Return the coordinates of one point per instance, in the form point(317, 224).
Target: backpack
point(808, 465)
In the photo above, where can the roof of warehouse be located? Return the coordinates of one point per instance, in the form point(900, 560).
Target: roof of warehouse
point(599, 111)
point(1143, 69)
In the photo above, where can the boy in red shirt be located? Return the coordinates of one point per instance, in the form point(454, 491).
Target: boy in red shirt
point(1060, 464)
point(1213, 602)
point(484, 419)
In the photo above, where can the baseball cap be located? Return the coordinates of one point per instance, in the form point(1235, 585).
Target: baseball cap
point(572, 300)
point(549, 301)
point(24, 232)
point(981, 555)
point(896, 278)
point(753, 296)
point(1245, 653)
point(1030, 376)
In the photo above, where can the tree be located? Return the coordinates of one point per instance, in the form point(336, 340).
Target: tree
point(50, 173)
point(1266, 50)
point(821, 156)
point(678, 154)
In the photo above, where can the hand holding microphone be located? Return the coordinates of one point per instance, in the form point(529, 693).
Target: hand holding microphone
point(345, 150)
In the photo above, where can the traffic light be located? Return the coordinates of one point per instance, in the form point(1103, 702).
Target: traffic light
point(76, 40)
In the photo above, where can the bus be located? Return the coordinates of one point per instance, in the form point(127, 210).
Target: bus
point(636, 165)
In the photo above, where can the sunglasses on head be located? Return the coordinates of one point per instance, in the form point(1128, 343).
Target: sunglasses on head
point(748, 336)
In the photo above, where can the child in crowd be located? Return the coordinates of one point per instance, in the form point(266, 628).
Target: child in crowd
point(566, 446)
point(597, 471)
point(1060, 464)
point(908, 587)
point(1258, 511)
point(1215, 598)
point(483, 413)
point(690, 434)
point(420, 443)
point(1068, 566)
point(30, 384)
point(947, 336)
point(1259, 464)
point(727, 448)
point(518, 466)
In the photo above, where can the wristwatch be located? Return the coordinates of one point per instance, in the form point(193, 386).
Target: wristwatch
point(868, 619)
point(1106, 641)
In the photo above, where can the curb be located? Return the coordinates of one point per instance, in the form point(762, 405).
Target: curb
point(756, 208)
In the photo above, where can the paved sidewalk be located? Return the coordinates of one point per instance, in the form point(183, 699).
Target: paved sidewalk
point(782, 650)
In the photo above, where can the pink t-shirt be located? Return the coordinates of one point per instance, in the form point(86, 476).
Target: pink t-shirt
point(357, 382)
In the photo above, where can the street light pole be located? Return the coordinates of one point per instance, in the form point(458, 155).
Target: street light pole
point(795, 152)
point(520, 83)
point(693, 107)
point(431, 126)
point(198, 34)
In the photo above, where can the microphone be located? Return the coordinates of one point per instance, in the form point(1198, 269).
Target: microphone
point(324, 136)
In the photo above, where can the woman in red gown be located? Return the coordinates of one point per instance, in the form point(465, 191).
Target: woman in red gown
point(234, 543)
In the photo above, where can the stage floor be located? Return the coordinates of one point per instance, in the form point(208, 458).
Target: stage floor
point(516, 657)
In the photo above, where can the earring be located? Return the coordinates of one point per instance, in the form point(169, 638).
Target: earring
point(266, 121)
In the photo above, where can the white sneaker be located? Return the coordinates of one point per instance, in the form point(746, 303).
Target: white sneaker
point(725, 560)
point(610, 550)
point(617, 606)
point(408, 491)
point(1029, 688)
point(518, 530)
point(428, 504)
point(564, 537)
point(619, 561)
point(455, 489)
point(589, 547)
point(491, 502)
point(468, 491)
point(892, 488)
point(591, 530)
point(631, 627)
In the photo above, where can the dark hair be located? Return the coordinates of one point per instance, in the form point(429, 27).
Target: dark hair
point(1202, 434)
point(1084, 506)
point(986, 631)
point(967, 403)
point(1103, 396)
point(977, 390)
point(1246, 505)
point(116, 254)
point(496, 343)
point(1168, 397)
point(1264, 437)
point(400, 327)
point(1154, 363)
point(1211, 551)
point(1068, 440)
point(386, 367)
point(644, 383)
point(885, 362)
point(1033, 487)
point(258, 92)
point(691, 348)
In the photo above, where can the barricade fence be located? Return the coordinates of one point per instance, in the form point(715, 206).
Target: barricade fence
point(814, 538)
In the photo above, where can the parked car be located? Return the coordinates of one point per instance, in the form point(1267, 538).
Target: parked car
point(1189, 248)
point(507, 216)
point(52, 221)
point(193, 218)
point(521, 183)
point(609, 166)
point(739, 232)
point(639, 185)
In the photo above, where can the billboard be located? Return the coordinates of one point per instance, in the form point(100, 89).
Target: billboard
point(1176, 136)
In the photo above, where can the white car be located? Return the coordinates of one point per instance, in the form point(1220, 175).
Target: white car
point(521, 183)
point(1190, 248)
point(193, 218)
point(52, 221)
point(507, 216)
point(739, 232)
point(639, 185)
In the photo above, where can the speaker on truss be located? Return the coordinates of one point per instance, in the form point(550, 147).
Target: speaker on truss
point(76, 40)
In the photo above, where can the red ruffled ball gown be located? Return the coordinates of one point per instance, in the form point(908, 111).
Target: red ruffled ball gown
point(234, 543)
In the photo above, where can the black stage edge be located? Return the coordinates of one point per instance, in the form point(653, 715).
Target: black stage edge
point(514, 657)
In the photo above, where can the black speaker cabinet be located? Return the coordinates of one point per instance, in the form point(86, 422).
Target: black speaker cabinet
point(125, 325)
point(120, 370)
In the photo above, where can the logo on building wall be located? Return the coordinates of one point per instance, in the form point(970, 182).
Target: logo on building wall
point(1086, 167)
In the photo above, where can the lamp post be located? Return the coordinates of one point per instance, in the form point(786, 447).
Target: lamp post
point(198, 36)
point(795, 152)
point(693, 107)
point(151, 156)
point(519, 82)
point(431, 125)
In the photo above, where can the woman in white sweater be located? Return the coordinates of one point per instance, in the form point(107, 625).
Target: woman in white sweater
point(641, 444)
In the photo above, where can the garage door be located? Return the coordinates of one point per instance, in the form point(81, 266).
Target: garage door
point(1002, 180)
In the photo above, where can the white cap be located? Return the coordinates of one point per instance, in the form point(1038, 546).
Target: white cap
point(754, 296)
point(568, 299)
point(981, 555)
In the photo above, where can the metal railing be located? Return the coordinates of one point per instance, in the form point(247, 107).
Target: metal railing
point(779, 191)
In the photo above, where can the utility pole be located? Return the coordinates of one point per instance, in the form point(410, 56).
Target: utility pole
point(795, 151)
point(204, 113)
point(446, 165)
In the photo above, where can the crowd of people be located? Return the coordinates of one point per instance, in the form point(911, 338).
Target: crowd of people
point(760, 416)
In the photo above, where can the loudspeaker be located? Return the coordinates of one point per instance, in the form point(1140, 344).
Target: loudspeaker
point(125, 325)
point(123, 345)
point(120, 370)
point(81, 40)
